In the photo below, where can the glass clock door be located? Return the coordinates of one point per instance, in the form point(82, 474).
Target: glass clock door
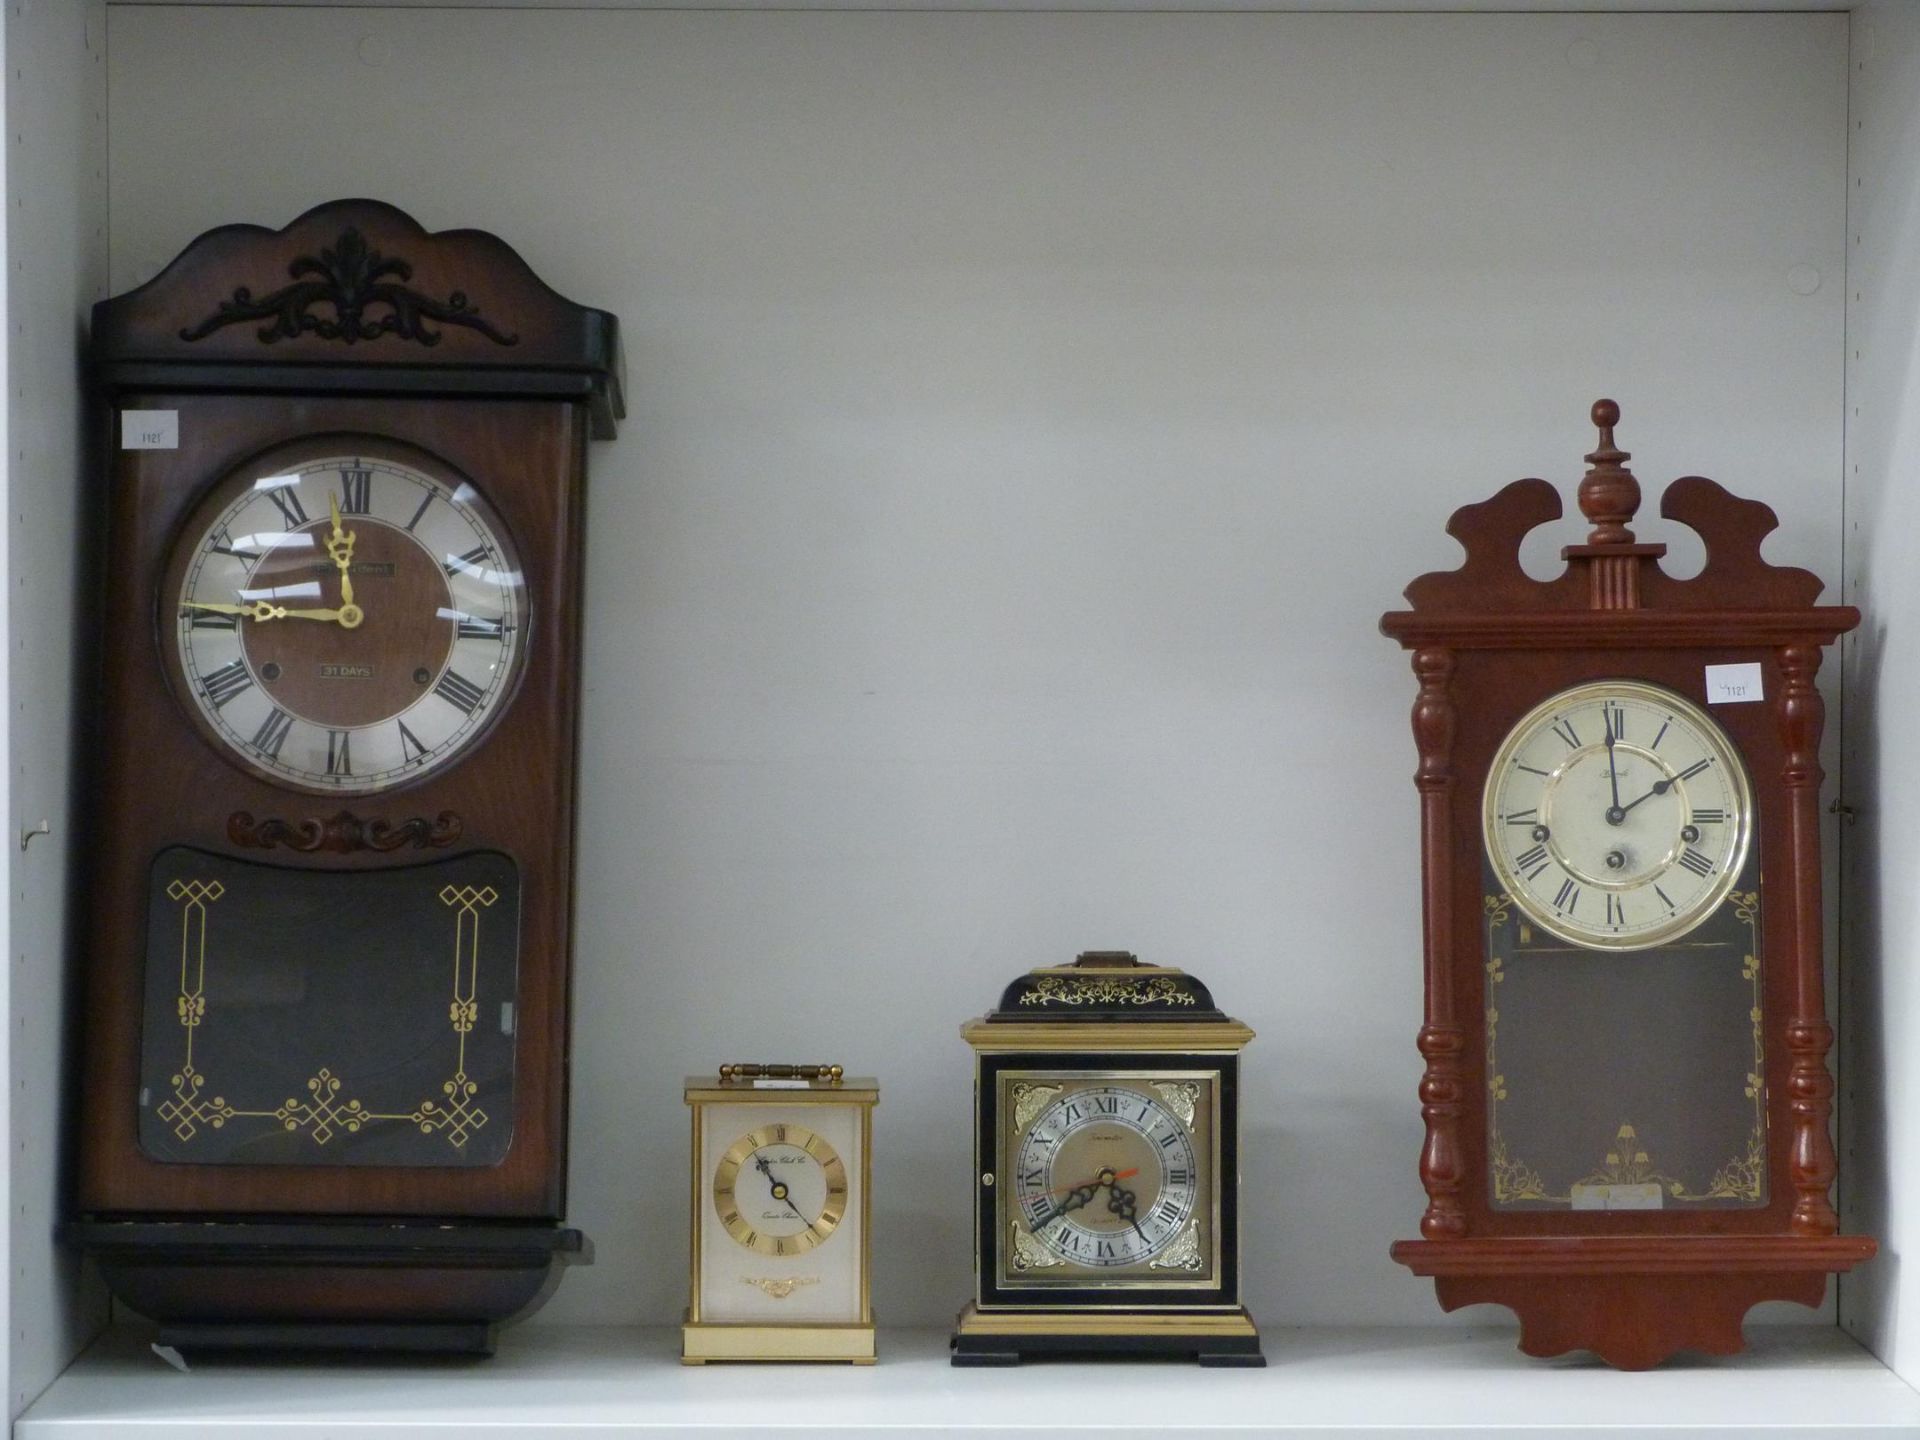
point(327, 1017)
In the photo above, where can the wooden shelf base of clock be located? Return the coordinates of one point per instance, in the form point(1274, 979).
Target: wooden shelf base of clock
point(701, 1344)
point(1215, 1338)
point(419, 1286)
point(1633, 1301)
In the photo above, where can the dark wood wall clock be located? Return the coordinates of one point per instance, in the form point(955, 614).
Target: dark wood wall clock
point(1626, 1092)
point(325, 1052)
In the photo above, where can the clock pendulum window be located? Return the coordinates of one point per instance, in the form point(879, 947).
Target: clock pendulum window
point(1626, 1092)
point(327, 962)
point(1106, 1162)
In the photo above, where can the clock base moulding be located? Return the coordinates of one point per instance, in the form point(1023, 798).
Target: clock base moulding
point(334, 1285)
point(1633, 1301)
point(1224, 1339)
point(701, 1344)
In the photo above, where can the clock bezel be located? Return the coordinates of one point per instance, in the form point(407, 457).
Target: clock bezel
point(1706, 902)
point(209, 500)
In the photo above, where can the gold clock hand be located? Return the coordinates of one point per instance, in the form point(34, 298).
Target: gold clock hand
point(340, 548)
point(348, 616)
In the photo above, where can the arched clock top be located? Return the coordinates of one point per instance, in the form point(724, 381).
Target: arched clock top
point(356, 295)
point(1613, 580)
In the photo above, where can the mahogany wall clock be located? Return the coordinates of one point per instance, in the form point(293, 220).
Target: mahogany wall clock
point(327, 969)
point(1626, 1092)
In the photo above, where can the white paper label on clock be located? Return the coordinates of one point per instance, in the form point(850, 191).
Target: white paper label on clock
point(149, 429)
point(1618, 1197)
point(1734, 684)
point(781, 1085)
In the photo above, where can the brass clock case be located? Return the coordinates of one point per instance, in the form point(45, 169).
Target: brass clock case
point(780, 1246)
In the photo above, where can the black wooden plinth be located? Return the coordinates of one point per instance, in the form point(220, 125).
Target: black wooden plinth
point(417, 1339)
point(406, 1287)
point(982, 1340)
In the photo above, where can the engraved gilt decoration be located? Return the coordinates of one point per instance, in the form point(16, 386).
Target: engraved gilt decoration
point(1030, 1254)
point(352, 279)
point(1184, 1253)
point(1181, 1096)
point(1029, 1101)
point(780, 1288)
point(323, 1114)
point(1106, 990)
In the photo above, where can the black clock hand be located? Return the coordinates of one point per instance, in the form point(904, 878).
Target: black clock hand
point(1076, 1197)
point(1616, 814)
point(779, 1189)
point(1121, 1202)
point(1660, 787)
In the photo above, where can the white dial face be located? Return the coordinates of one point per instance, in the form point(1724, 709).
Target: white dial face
point(1617, 815)
point(1106, 1176)
point(344, 621)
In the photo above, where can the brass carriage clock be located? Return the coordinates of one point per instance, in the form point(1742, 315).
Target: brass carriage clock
point(327, 966)
point(1106, 1199)
point(782, 1242)
point(1626, 1091)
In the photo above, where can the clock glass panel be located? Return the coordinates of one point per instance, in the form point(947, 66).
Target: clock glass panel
point(345, 615)
point(1107, 1179)
point(318, 1017)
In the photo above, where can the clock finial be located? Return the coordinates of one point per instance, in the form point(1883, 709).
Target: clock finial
point(1609, 493)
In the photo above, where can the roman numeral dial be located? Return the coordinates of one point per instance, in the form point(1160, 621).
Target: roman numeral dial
point(1617, 815)
point(780, 1190)
point(343, 620)
point(1109, 1177)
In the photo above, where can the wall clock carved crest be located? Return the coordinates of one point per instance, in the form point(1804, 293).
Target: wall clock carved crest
point(352, 278)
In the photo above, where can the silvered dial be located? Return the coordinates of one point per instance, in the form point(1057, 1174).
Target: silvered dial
point(1617, 815)
point(1106, 1176)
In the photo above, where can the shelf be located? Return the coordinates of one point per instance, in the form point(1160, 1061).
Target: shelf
point(555, 1381)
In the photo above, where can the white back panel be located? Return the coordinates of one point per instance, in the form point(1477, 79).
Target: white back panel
point(55, 82)
point(1031, 417)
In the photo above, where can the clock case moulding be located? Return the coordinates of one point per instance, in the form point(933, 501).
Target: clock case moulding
point(1106, 1012)
point(352, 319)
point(1487, 642)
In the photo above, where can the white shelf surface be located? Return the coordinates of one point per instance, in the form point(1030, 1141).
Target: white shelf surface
point(567, 1383)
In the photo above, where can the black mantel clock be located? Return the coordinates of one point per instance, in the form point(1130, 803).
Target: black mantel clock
point(325, 1049)
point(1106, 1160)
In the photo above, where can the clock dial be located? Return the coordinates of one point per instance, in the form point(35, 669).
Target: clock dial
point(345, 618)
point(1110, 1176)
point(1617, 815)
point(780, 1190)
